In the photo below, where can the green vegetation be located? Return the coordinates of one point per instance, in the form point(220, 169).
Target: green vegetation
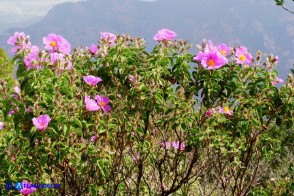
point(177, 126)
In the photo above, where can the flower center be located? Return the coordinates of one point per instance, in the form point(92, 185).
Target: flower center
point(53, 44)
point(102, 103)
point(210, 62)
point(42, 125)
point(223, 52)
point(226, 109)
point(242, 57)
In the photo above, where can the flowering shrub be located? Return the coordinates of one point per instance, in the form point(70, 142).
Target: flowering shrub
point(116, 119)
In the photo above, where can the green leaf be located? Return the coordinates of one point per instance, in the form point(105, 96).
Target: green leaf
point(63, 152)
point(66, 130)
point(279, 2)
point(100, 164)
point(255, 122)
point(66, 76)
point(78, 123)
point(44, 159)
point(48, 73)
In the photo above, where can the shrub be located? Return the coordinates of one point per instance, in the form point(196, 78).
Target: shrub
point(116, 119)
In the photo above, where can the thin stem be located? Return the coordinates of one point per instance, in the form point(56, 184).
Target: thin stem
point(287, 9)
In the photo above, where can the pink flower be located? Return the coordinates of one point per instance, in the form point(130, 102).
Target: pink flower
point(136, 157)
point(224, 50)
point(91, 104)
point(226, 110)
point(276, 59)
point(56, 57)
point(16, 90)
point(178, 145)
point(29, 109)
point(13, 40)
point(56, 43)
point(42, 121)
point(20, 41)
point(209, 112)
point(210, 47)
point(93, 138)
point(277, 81)
point(82, 140)
point(1, 125)
point(164, 35)
point(92, 80)
point(93, 49)
point(59, 59)
point(166, 145)
point(211, 59)
point(242, 56)
point(201, 55)
point(37, 141)
point(27, 189)
point(11, 112)
point(106, 36)
point(102, 102)
point(69, 65)
point(32, 60)
point(132, 78)
point(15, 96)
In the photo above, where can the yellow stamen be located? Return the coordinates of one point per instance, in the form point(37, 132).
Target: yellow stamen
point(223, 52)
point(53, 44)
point(242, 57)
point(226, 109)
point(211, 62)
point(102, 103)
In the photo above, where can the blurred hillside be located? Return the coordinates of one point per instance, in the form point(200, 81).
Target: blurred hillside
point(259, 25)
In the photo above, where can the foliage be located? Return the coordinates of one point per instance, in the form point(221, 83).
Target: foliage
point(158, 138)
point(6, 70)
point(6, 78)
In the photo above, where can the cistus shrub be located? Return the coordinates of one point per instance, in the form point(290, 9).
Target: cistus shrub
point(115, 119)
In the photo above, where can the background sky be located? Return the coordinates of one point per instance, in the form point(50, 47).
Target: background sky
point(24, 12)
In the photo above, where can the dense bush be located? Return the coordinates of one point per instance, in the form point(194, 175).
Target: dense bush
point(6, 70)
point(114, 119)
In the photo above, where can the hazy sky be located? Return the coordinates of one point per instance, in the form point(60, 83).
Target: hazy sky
point(25, 11)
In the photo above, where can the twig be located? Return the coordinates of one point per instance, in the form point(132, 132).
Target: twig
point(287, 9)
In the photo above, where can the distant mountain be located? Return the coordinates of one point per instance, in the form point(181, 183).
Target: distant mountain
point(22, 13)
point(259, 25)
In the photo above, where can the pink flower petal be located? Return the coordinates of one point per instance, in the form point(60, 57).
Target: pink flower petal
point(164, 35)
